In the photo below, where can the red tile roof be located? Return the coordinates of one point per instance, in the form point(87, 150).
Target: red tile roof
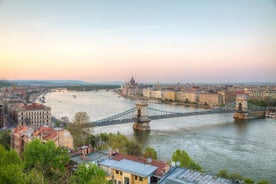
point(34, 106)
point(159, 164)
point(19, 129)
point(31, 106)
point(239, 92)
point(45, 132)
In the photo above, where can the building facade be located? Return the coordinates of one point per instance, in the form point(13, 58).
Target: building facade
point(168, 95)
point(156, 94)
point(182, 96)
point(130, 169)
point(131, 88)
point(146, 93)
point(34, 115)
point(227, 96)
point(211, 99)
point(21, 135)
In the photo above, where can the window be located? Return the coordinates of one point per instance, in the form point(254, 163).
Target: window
point(117, 172)
point(126, 180)
point(136, 177)
point(121, 173)
point(140, 178)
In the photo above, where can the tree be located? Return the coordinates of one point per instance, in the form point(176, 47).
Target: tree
point(235, 176)
point(79, 136)
point(35, 176)
point(134, 148)
point(11, 167)
point(223, 173)
point(64, 119)
point(118, 141)
point(150, 153)
point(81, 118)
point(262, 181)
point(248, 181)
point(47, 158)
point(5, 139)
point(185, 160)
point(88, 174)
point(94, 140)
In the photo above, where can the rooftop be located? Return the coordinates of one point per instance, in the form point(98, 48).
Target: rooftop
point(129, 166)
point(187, 176)
point(91, 157)
point(159, 164)
point(31, 106)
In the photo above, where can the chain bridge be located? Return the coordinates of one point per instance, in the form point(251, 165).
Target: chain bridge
point(141, 114)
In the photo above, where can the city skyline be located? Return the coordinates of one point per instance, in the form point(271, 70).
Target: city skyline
point(167, 41)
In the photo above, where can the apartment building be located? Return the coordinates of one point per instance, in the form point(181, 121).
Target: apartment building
point(186, 96)
point(146, 93)
point(211, 99)
point(168, 95)
point(227, 96)
point(34, 115)
point(21, 135)
point(130, 169)
point(156, 94)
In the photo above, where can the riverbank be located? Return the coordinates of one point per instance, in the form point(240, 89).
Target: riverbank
point(158, 101)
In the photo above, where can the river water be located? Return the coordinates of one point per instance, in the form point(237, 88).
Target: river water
point(214, 141)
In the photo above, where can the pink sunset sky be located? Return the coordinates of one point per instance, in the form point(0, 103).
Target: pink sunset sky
point(165, 41)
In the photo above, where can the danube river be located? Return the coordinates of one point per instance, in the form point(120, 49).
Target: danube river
point(214, 141)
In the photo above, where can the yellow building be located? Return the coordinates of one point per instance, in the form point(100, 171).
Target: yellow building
point(211, 99)
point(129, 169)
point(156, 94)
point(168, 95)
point(186, 97)
point(146, 93)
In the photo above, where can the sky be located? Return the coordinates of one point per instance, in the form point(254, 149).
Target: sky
point(186, 41)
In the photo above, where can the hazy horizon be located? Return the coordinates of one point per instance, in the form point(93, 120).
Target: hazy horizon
point(209, 41)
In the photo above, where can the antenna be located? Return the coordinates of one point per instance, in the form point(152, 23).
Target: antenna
point(149, 160)
point(173, 163)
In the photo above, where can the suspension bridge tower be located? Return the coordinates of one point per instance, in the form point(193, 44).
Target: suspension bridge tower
point(141, 119)
point(241, 102)
point(241, 106)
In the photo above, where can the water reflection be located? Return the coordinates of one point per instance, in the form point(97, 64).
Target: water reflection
point(142, 137)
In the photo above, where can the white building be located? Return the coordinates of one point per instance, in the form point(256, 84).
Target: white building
point(33, 115)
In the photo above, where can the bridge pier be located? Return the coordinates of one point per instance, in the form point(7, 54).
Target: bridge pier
point(141, 119)
point(242, 107)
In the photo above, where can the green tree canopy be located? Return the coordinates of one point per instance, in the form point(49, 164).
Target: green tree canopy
point(88, 174)
point(134, 148)
point(185, 160)
point(5, 138)
point(78, 134)
point(263, 181)
point(11, 167)
point(118, 141)
point(150, 153)
point(223, 173)
point(248, 181)
point(45, 157)
point(81, 118)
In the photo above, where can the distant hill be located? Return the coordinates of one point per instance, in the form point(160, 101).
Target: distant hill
point(62, 83)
